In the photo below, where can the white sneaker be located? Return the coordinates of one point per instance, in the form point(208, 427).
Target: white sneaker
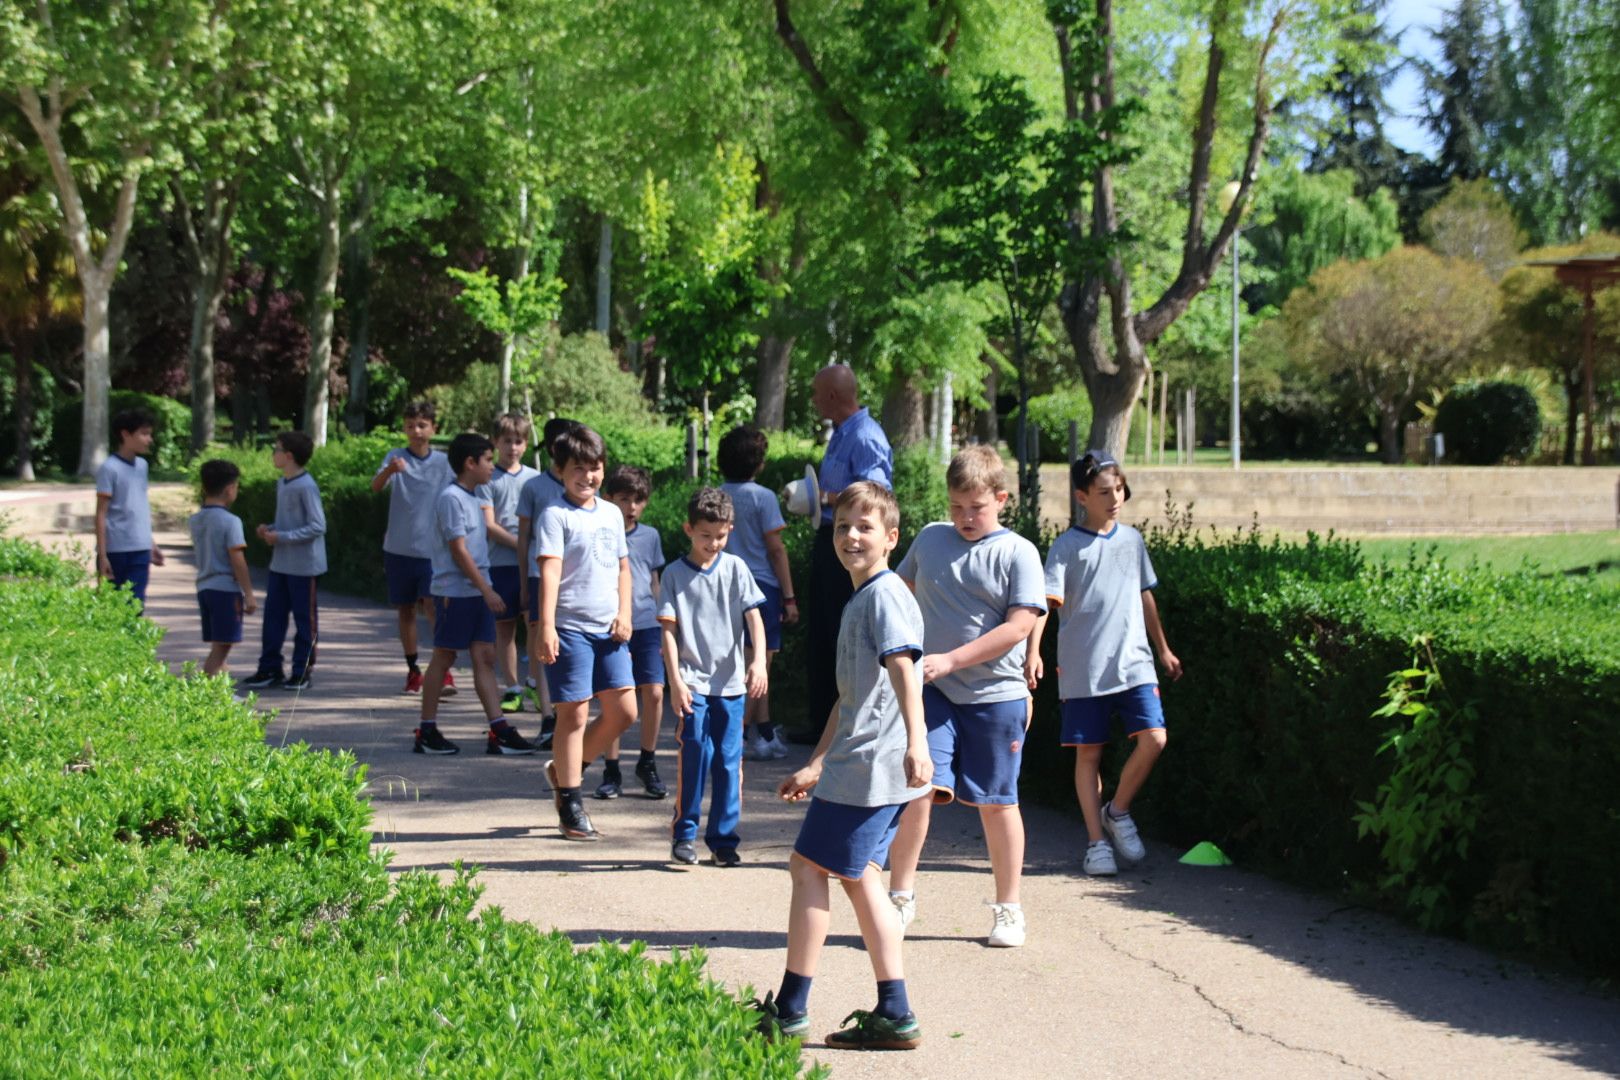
point(773, 748)
point(1008, 930)
point(1100, 860)
point(1122, 831)
point(907, 907)
point(755, 749)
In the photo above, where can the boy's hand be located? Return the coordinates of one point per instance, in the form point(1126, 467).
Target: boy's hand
point(936, 665)
point(104, 567)
point(790, 612)
point(249, 605)
point(758, 679)
point(919, 766)
point(1034, 669)
point(620, 630)
point(1172, 664)
point(680, 698)
point(395, 467)
point(267, 534)
point(523, 592)
point(157, 555)
point(493, 601)
point(546, 648)
point(797, 786)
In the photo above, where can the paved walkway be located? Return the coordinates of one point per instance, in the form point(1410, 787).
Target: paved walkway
point(1165, 971)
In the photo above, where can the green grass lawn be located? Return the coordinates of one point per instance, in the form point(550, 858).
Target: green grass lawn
point(1557, 553)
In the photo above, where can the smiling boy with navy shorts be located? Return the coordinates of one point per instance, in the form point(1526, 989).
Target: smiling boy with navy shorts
point(224, 590)
point(125, 553)
point(539, 492)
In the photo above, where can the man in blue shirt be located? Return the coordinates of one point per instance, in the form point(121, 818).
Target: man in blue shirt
point(858, 450)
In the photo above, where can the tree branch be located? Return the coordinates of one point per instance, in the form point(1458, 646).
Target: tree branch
point(842, 119)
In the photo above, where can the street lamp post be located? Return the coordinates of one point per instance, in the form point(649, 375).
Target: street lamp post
point(1228, 196)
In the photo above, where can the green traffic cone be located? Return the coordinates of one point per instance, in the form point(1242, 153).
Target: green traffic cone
point(1206, 854)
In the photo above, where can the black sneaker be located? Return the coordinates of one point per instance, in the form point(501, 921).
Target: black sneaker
point(548, 725)
point(506, 740)
point(297, 682)
point(260, 680)
point(575, 823)
point(726, 857)
point(647, 773)
point(684, 852)
point(512, 701)
point(611, 785)
point(864, 1030)
point(429, 741)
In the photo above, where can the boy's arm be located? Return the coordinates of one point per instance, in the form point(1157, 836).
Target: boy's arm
point(525, 535)
point(1155, 630)
point(550, 579)
point(1020, 621)
point(239, 568)
point(1034, 666)
point(103, 564)
point(758, 679)
point(497, 531)
point(798, 785)
point(776, 553)
point(392, 467)
point(908, 688)
point(620, 630)
point(469, 569)
point(680, 697)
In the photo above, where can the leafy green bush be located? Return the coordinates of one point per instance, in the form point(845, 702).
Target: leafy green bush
point(171, 429)
point(1051, 413)
point(45, 394)
point(1490, 422)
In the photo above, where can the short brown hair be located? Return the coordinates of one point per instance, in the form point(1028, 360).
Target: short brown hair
point(631, 480)
point(420, 409)
point(578, 443)
point(1094, 464)
point(711, 505)
point(515, 425)
point(864, 496)
point(298, 444)
point(977, 468)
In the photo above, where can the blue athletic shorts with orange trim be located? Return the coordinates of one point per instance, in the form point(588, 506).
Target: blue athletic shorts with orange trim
point(977, 749)
point(409, 578)
point(1088, 721)
point(844, 840)
point(505, 580)
point(458, 621)
point(221, 615)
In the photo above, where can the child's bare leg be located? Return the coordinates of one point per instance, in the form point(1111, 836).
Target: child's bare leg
point(1149, 745)
point(489, 691)
point(618, 713)
point(218, 651)
point(880, 925)
point(652, 714)
point(433, 682)
point(407, 628)
point(567, 744)
point(906, 851)
point(506, 652)
point(1088, 788)
point(808, 915)
point(757, 711)
point(1004, 835)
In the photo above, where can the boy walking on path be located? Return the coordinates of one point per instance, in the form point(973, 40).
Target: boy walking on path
point(297, 542)
point(980, 589)
point(871, 761)
point(414, 474)
point(125, 553)
point(756, 538)
point(584, 621)
point(628, 487)
point(710, 602)
point(539, 492)
point(1100, 578)
point(224, 590)
point(465, 604)
point(505, 563)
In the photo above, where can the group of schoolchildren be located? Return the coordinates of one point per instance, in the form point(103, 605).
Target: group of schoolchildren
point(936, 659)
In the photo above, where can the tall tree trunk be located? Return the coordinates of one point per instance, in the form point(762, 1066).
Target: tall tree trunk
point(207, 232)
point(357, 303)
point(604, 277)
point(323, 302)
point(207, 294)
point(22, 355)
point(93, 441)
point(1389, 435)
point(1572, 413)
point(903, 418)
point(985, 427)
point(771, 381)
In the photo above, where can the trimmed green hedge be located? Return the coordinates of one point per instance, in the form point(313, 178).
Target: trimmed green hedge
point(177, 898)
point(171, 429)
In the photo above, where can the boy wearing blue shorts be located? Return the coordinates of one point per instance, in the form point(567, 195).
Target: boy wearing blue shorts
point(224, 590)
point(125, 552)
point(628, 487)
point(414, 474)
point(505, 566)
point(465, 605)
point(1100, 578)
point(539, 492)
point(980, 589)
point(871, 762)
point(756, 538)
point(584, 624)
point(297, 542)
point(709, 610)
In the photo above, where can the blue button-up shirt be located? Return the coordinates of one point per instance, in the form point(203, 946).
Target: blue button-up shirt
point(858, 450)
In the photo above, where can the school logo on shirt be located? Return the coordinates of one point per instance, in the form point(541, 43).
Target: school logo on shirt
point(604, 552)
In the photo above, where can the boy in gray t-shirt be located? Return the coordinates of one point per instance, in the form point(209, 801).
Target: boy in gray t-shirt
point(125, 552)
point(224, 589)
point(709, 609)
point(1100, 578)
point(871, 761)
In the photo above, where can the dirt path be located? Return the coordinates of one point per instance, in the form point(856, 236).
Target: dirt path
point(1165, 971)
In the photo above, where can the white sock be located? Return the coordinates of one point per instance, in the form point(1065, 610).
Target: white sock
point(902, 894)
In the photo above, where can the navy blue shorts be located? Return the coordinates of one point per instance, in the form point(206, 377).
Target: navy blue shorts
point(587, 664)
point(844, 840)
point(504, 580)
point(409, 579)
point(534, 598)
point(221, 615)
point(132, 568)
point(771, 612)
point(1086, 721)
point(458, 621)
point(647, 656)
point(977, 749)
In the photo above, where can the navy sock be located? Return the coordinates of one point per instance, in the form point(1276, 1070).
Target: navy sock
point(646, 756)
point(767, 729)
point(569, 794)
point(793, 999)
point(410, 663)
point(499, 724)
point(610, 767)
point(892, 1003)
point(428, 725)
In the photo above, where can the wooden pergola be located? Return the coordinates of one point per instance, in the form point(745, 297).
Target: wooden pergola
point(1588, 274)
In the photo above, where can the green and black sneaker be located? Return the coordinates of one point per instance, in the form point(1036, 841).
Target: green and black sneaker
point(773, 1025)
point(873, 1032)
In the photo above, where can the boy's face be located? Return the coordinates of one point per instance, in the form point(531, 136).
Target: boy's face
point(478, 470)
point(229, 494)
point(708, 538)
point(1102, 501)
point(279, 456)
point(863, 544)
point(580, 480)
point(630, 506)
point(976, 513)
point(418, 430)
point(509, 450)
point(136, 442)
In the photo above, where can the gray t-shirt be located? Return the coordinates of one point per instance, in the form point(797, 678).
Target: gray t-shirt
point(505, 489)
point(215, 533)
point(1102, 634)
point(758, 514)
point(590, 543)
point(646, 559)
point(411, 499)
point(965, 590)
point(540, 491)
point(129, 515)
point(865, 764)
point(459, 514)
point(708, 608)
point(300, 528)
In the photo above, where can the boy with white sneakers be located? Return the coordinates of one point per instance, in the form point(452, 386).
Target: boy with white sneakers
point(980, 589)
point(1100, 578)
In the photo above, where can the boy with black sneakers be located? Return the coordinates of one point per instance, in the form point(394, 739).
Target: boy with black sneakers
point(871, 762)
point(465, 605)
point(505, 566)
point(710, 601)
point(297, 542)
point(125, 551)
point(539, 492)
point(584, 621)
point(224, 590)
point(414, 474)
point(628, 487)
